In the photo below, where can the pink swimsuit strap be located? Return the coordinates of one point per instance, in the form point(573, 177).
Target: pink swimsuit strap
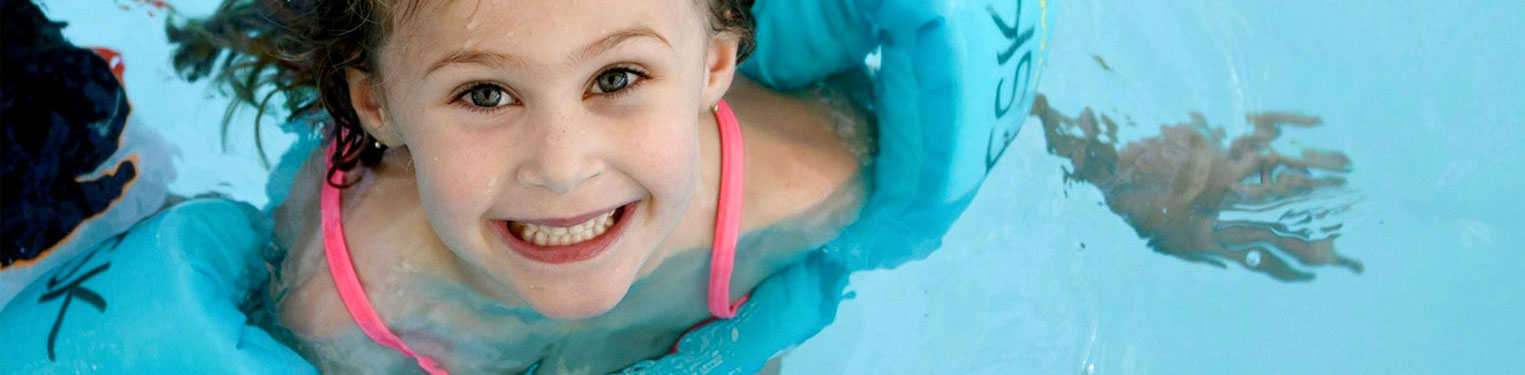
point(350, 291)
point(727, 214)
point(722, 256)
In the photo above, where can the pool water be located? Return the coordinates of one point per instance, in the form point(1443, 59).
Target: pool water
point(1039, 276)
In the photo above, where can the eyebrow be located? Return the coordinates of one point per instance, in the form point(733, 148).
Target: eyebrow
point(496, 59)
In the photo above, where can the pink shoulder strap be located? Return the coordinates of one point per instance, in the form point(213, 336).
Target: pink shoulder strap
point(727, 214)
point(350, 291)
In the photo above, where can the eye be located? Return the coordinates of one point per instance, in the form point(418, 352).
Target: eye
point(613, 80)
point(485, 96)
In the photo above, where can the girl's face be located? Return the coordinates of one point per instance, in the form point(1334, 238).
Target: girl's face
point(555, 143)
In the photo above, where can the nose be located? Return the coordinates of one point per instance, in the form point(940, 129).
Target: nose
point(563, 159)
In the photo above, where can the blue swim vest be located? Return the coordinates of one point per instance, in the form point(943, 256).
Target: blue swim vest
point(953, 81)
point(167, 297)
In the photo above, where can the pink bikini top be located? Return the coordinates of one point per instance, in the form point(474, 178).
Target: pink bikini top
point(727, 228)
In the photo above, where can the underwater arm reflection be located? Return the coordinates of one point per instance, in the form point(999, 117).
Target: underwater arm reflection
point(1173, 188)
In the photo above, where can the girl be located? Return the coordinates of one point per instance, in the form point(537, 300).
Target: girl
point(531, 184)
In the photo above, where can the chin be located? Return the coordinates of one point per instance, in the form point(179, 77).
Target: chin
point(576, 303)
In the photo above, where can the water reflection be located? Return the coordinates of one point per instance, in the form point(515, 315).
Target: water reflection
point(1194, 199)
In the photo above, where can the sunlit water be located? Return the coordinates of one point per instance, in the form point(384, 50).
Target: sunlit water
point(1039, 276)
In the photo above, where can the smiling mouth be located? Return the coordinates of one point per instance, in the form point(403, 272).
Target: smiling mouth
point(547, 235)
point(566, 241)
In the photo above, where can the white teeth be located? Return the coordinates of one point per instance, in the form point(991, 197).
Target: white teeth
point(543, 235)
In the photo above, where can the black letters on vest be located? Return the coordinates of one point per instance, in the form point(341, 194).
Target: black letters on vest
point(1017, 55)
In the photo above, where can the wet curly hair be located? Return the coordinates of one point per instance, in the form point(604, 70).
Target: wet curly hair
point(300, 49)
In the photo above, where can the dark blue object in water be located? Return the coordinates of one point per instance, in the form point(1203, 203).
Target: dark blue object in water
point(63, 113)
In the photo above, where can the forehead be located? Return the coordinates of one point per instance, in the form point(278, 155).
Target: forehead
point(535, 29)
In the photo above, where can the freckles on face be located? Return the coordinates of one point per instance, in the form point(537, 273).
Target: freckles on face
point(548, 109)
point(536, 65)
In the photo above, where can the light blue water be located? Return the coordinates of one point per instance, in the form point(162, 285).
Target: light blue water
point(1426, 98)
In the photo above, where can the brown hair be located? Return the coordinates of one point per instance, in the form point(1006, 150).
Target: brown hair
point(300, 49)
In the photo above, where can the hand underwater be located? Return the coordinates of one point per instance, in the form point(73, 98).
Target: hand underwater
point(1173, 187)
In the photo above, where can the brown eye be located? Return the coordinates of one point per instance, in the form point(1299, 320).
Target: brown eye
point(485, 96)
point(611, 81)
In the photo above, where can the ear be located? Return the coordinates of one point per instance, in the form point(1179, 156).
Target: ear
point(719, 67)
point(365, 97)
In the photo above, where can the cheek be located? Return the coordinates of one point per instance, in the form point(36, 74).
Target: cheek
point(449, 200)
point(454, 176)
point(663, 155)
point(444, 191)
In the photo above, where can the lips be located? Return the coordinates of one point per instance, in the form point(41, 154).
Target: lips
point(566, 240)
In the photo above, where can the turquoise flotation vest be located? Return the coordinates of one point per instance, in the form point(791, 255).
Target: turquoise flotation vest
point(167, 297)
point(953, 81)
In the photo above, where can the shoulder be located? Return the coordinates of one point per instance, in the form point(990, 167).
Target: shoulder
point(795, 161)
point(380, 215)
point(307, 301)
